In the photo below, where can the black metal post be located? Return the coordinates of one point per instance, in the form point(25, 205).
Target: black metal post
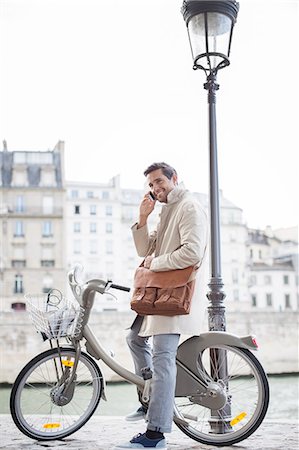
point(220, 420)
point(216, 295)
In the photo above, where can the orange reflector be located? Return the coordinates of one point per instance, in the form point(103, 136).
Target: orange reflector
point(67, 363)
point(52, 425)
point(238, 418)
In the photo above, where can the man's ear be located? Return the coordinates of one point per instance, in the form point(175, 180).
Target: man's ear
point(175, 179)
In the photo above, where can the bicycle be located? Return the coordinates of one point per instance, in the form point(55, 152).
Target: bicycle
point(222, 392)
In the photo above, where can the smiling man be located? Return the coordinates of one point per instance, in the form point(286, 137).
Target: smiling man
point(178, 242)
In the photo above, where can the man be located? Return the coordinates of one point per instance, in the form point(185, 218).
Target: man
point(178, 242)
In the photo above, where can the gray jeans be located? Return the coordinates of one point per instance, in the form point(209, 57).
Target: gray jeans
point(161, 359)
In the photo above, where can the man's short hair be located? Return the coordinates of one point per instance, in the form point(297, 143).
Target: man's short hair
point(167, 170)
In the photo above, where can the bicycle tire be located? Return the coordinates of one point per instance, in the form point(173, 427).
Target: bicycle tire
point(195, 420)
point(32, 409)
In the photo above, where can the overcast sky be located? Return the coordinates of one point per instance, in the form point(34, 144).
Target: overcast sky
point(114, 80)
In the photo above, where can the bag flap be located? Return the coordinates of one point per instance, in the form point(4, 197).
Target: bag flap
point(168, 279)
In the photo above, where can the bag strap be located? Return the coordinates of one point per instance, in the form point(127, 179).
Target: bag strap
point(152, 248)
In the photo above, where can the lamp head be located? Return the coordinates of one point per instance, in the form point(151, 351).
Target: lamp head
point(210, 26)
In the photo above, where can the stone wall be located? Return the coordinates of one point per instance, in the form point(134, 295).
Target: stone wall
point(277, 336)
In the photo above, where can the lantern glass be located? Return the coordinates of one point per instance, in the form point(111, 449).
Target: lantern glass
point(209, 35)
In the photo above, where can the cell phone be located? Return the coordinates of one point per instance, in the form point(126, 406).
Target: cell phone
point(152, 196)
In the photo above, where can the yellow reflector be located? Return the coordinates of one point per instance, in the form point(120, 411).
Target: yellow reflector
point(67, 363)
point(51, 425)
point(238, 418)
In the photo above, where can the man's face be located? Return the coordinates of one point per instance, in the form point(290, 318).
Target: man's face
point(160, 185)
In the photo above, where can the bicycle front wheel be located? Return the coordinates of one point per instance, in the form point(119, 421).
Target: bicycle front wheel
point(32, 406)
point(246, 391)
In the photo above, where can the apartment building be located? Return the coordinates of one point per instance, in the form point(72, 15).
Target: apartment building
point(273, 270)
point(31, 224)
point(48, 226)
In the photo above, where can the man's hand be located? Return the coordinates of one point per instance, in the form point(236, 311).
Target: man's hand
point(145, 209)
point(148, 261)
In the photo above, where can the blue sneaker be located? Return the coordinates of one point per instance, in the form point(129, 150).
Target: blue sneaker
point(137, 415)
point(141, 441)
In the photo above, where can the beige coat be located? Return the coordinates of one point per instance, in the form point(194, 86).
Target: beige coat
point(180, 241)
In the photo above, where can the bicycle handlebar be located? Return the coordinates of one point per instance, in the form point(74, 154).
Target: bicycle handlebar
point(120, 288)
point(82, 291)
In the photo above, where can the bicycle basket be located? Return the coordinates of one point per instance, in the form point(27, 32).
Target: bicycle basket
point(55, 316)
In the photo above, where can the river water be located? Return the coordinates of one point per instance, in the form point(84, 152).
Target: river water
point(122, 399)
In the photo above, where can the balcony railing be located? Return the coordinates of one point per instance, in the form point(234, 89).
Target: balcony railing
point(31, 211)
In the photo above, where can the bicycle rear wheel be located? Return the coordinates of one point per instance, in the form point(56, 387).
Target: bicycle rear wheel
point(31, 401)
point(247, 397)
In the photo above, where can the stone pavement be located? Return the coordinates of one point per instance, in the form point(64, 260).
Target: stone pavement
point(103, 432)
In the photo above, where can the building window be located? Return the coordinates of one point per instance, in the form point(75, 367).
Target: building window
point(93, 227)
point(93, 210)
point(253, 300)
point(19, 177)
point(47, 263)
point(20, 205)
point(39, 157)
point(269, 299)
point(286, 279)
point(231, 218)
point(108, 227)
point(233, 237)
point(48, 205)
point(47, 177)
point(77, 247)
point(236, 295)
point(268, 279)
point(105, 195)
point(47, 283)
point(18, 284)
point(77, 209)
point(93, 247)
point(235, 275)
point(19, 229)
point(108, 210)
point(251, 253)
point(287, 298)
point(234, 255)
point(128, 213)
point(74, 193)
point(19, 157)
point(18, 263)
point(109, 270)
point(47, 228)
point(89, 194)
point(109, 247)
point(18, 306)
point(252, 280)
point(77, 227)
point(260, 254)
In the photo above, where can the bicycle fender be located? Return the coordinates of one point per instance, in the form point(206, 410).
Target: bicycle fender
point(187, 356)
point(199, 343)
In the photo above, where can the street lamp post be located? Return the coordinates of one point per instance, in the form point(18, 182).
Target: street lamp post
point(210, 26)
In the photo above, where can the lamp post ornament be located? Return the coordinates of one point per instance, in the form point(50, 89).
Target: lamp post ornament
point(210, 26)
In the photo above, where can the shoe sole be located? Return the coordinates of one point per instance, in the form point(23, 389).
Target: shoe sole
point(139, 448)
point(136, 419)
